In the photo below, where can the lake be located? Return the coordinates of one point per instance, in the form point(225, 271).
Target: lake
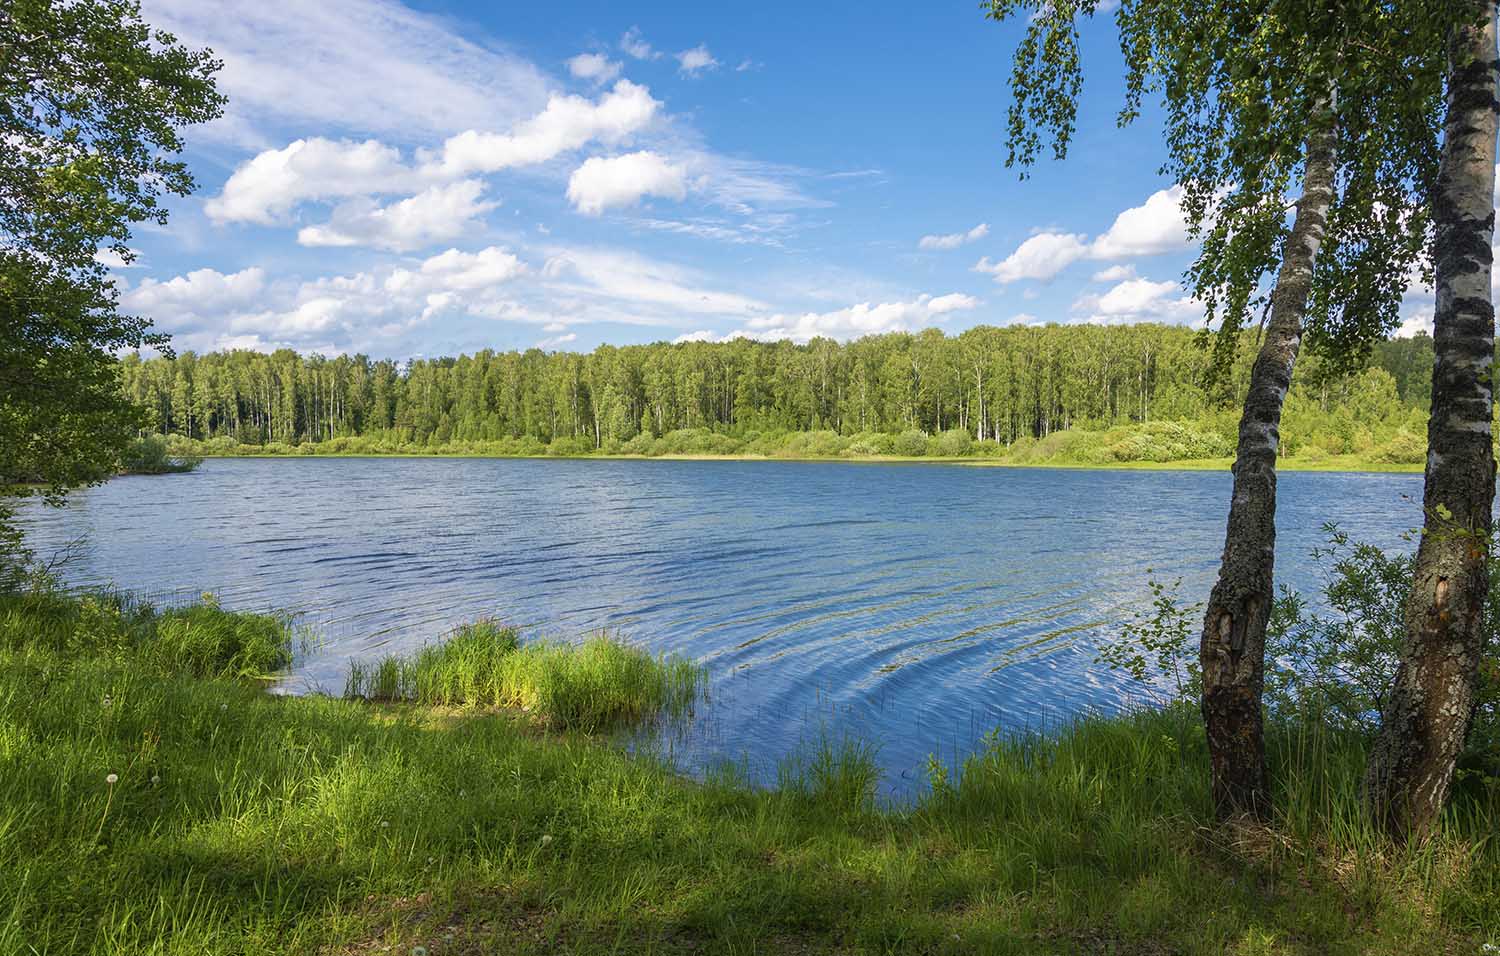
point(914, 606)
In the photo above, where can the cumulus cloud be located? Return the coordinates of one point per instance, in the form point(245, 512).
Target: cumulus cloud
point(266, 188)
point(695, 61)
point(953, 240)
point(1154, 227)
point(437, 214)
point(1040, 257)
point(606, 183)
point(635, 45)
point(210, 309)
point(1114, 274)
point(594, 67)
point(1140, 300)
point(858, 320)
point(568, 123)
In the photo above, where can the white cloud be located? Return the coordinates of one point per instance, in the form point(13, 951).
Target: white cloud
point(1152, 228)
point(594, 67)
point(202, 292)
point(635, 45)
point(602, 183)
point(1155, 227)
point(953, 240)
point(695, 61)
point(438, 214)
point(556, 340)
point(1418, 323)
point(1114, 274)
point(1040, 257)
point(858, 320)
point(458, 271)
point(372, 66)
point(701, 335)
point(267, 187)
point(1140, 300)
point(568, 123)
point(635, 285)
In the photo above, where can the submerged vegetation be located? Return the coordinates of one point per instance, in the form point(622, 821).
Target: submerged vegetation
point(151, 801)
point(600, 684)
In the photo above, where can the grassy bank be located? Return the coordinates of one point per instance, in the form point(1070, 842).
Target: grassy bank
point(151, 801)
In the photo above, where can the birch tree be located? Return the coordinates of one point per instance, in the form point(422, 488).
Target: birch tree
point(1430, 706)
point(1257, 98)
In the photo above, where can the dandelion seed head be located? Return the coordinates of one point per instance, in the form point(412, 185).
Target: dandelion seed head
point(546, 838)
point(384, 824)
point(112, 779)
point(155, 779)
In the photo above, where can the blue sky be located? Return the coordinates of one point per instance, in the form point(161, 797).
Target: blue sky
point(440, 177)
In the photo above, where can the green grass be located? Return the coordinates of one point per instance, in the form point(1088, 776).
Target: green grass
point(599, 684)
point(241, 822)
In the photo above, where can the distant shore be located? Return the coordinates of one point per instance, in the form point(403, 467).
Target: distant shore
point(1333, 463)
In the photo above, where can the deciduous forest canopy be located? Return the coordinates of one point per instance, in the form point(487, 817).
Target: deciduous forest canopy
point(992, 384)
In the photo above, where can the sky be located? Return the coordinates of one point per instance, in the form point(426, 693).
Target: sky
point(443, 176)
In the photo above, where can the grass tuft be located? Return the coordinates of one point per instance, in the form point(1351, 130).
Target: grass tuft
point(599, 684)
point(201, 639)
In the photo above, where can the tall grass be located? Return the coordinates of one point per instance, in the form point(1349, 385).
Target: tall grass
point(599, 684)
point(200, 638)
point(237, 822)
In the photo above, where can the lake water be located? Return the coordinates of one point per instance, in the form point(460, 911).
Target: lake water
point(914, 606)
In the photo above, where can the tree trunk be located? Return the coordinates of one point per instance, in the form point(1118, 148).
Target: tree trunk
point(1232, 651)
point(1430, 705)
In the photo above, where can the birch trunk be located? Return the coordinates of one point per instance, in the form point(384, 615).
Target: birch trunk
point(1429, 708)
point(1232, 651)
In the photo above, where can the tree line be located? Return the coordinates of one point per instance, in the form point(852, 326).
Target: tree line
point(995, 384)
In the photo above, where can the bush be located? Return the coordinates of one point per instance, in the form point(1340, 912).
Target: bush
point(1404, 448)
point(150, 456)
point(909, 444)
point(571, 446)
point(953, 443)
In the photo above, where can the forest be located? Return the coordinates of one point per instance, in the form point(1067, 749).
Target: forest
point(984, 392)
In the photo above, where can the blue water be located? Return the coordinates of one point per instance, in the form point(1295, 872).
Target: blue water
point(914, 606)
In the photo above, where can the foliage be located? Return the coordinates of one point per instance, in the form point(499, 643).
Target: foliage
point(1087, 394)
point(240, 822)
point(1327, 665)
point(151, 456)
point(600, 684)
point(1158, 645)
point(1242, 90)
point(91, 100)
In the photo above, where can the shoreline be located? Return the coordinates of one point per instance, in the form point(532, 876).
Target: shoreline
point(1348, 464)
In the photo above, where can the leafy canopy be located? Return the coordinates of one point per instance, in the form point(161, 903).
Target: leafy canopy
point(91, 101)
point(1242, 87)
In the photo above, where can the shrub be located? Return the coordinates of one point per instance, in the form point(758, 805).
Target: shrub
point(150, 456)
point(909, 444)
point(953, 443)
